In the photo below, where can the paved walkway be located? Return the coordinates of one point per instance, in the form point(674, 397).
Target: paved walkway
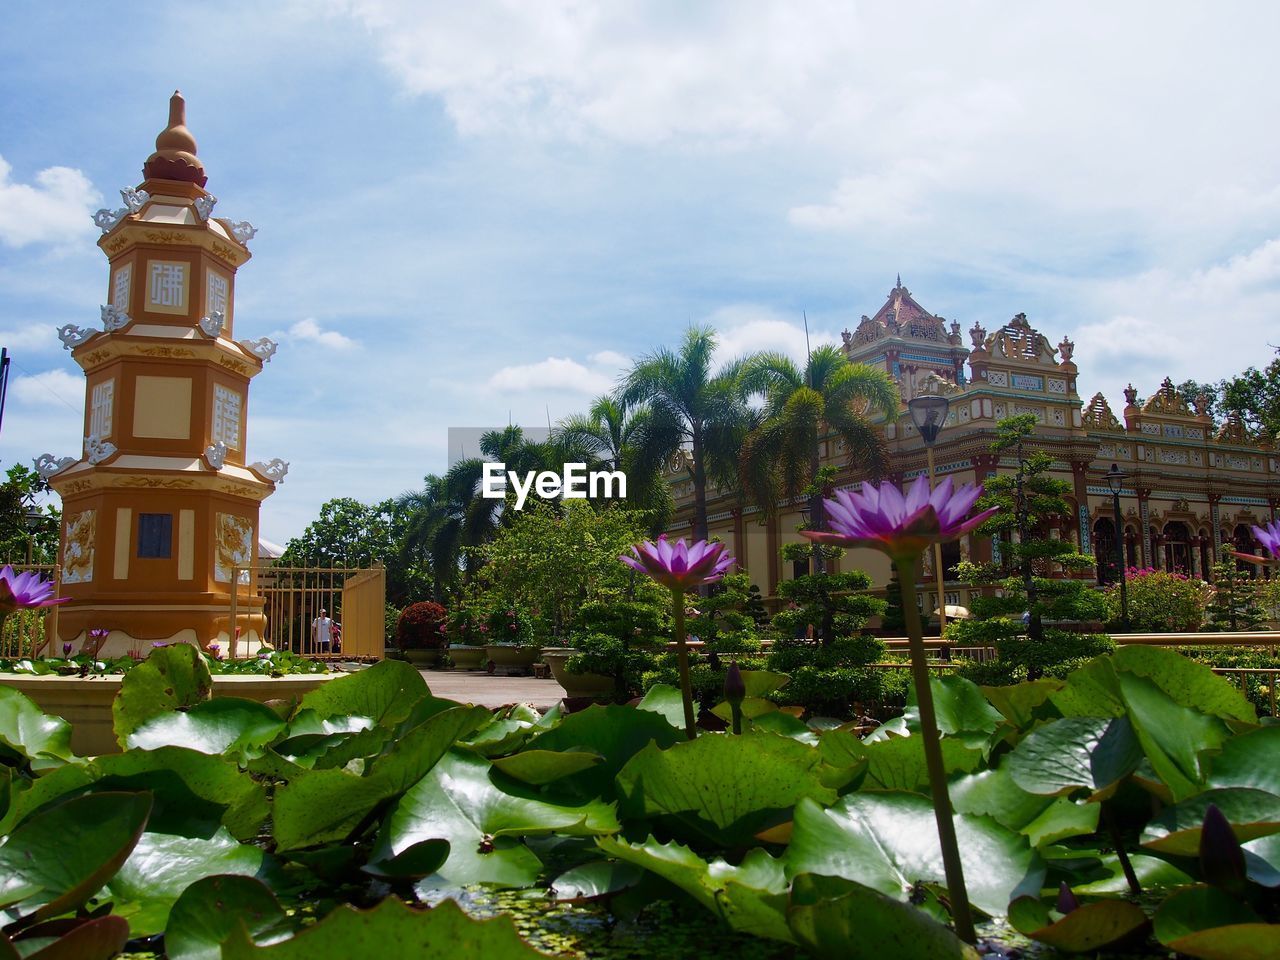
point(495, 691)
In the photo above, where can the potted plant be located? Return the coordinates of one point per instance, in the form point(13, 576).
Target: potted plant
point(611, 646)
point(420, 633)
point(510, 645)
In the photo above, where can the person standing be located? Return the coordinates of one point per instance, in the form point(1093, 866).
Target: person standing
point(322, 632)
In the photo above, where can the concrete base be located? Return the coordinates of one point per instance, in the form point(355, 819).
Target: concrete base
point(85, 702)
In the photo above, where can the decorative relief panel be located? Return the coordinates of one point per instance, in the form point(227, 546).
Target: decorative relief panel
point(1059, 417)
point(1197, 459)
point(1037, 412)
point(77, 552)
point(1174, 456)
point(100, 406)
point(1151, 429)
point(216, 288)
point(233, 546)
point(997, 378)
point(1236, 463)
point(167, 286)
point(1057, 386)
point(1023, 381)
point(1193, 433)
point(1173, 430)
point(120, 287)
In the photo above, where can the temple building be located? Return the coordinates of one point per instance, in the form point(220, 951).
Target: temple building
point(1190, 487)
point(160, 510)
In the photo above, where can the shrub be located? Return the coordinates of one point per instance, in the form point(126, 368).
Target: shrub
point(1159, 602)
point(1058, 654)
point(1235, 602)
point(421, 626)
point(1257, 686)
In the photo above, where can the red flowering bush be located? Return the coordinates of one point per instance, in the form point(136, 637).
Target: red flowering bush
point(422, 627)
point(1160, 602)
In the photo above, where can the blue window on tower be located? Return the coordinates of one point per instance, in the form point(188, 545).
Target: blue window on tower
point(155, 535)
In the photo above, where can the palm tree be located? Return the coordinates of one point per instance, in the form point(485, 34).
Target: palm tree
point(830, 397)
point(696, 408)
point(615, 436)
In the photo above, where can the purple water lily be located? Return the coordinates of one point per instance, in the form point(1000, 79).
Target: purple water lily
point(885, 519)
point(25, 591)
point(214, 650)
point(681, 565)
point(1269, 540)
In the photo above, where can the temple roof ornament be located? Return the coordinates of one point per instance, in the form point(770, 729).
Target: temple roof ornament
point(113, 318)
point(134, 200)
point(1098, 416)
point(212, 324)
point(1131, 395)
point(175, 157)
point(264, 348)
point(46, 465)
point(242, 230)
point(977, 334)
point(96, 450)
point(1066, 348)
point(902, 316)
point(72, 335)
point(1018, 340)
point(1233, 429)
point(1168, 401)
point(216, 454)
point(204, 205)
point(274, 470)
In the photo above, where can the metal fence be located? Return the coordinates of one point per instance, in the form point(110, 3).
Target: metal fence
point(26, 633)
point(325, 612)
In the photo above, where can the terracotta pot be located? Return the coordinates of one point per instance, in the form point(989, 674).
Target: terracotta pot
point(467, 657)
point(512, 659)
point(575, 684)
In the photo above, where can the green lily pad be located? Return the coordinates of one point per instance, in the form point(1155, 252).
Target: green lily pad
point(398, 931)
point(839, 919)
point(1249, 760)
point(29, 731)
point(1090, 927)
point(546, 766)
point(210, 910)
point(1176, 830)
point(599, 878)
point(750, 897)
point(726, 787)
point(761, 683)
point(1093, 753)
point(889, 841)
point(173, 677)
point(1024, 704)
point(163, 865)
point(1202, 921)
point(387, 692)
point(1173, 736)
point(666, 701)
point(218, 726)
point(1107, 878)
point(413, 863)
point(100, 938)
point(898, 763)
point(1042, 819)
point(963, 713)
point(325, 805)
point(93, 835)
point(1093, 690)
point(1188, 683)
point(483, 815)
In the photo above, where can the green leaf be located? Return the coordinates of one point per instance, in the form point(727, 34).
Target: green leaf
point(98, 939)
point(222, 725)
point(483, 814)
point(1023, 704)
point(666, 701)
point(163, 865)
point(1091, 691)
point(210, 910)
point(1173, 736)
point(726, 787)
point(1152, 873)
point(413, 863)
point(599, 878)
point(546, 766)
point(1176, 830)
point(1241, 941)
point(1066, 755)
point(898, 762)
point(387, 692)
point(1090, 927)
point(1188, 683)
point(889, 841)
point(93, 835)
point(398, 931)
point(1249, 760)
point(839, 919)
point(173, 677)
point(963, 713)
point(750, 897)
point(27, 729)
point(325, 805)
point(1040, 818)
point(761, 683)
point(1196, 908)
point(614, 732)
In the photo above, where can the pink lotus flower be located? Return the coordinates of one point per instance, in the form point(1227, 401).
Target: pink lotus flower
point(1269, 540)
point(681, 565)
point(901, 526)
point(25, 591)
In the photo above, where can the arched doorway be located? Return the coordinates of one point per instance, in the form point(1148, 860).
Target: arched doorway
point(1242, 538)
point(1177, 548)
point(1104, 550)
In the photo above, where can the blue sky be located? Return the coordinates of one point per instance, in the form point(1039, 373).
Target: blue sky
point(470, 212)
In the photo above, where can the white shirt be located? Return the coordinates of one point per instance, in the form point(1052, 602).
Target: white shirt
point(322, 630)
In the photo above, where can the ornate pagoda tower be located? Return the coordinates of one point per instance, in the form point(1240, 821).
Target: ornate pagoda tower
point(162, 506)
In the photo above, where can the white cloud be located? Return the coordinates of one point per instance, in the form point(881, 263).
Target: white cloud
point(33, 336)
point(308, 331)
point(746, 328)
point(57, 209)
point(51, 388)
point(557, 373)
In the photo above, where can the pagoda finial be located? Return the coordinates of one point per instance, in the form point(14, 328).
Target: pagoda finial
point(898, 285)
point(175, 157)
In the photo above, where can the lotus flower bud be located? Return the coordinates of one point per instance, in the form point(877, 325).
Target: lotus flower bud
point(1066, 899)
point(66, 651)
point(735, 691)
point(1221, 859)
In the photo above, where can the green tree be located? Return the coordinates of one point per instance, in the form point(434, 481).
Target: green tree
point(1236, 601)
point(23, 523)
point(696, 408)
point(1255, 397)
point(830, 398)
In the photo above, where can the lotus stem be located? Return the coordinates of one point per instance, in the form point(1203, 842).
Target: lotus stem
point(931, 741)
point(1117, 841)
point(682, 655)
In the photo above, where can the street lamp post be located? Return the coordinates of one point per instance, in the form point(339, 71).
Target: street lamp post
point(1115, 480)
point(929, 414)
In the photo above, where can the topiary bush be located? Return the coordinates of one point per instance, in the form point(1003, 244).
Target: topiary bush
point(422, 626)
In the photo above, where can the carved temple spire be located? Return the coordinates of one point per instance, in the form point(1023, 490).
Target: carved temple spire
point(175, 157)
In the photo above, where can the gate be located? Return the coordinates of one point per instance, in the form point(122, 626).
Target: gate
point(296, 600)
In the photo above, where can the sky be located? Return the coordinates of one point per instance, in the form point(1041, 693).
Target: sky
point(474, 214)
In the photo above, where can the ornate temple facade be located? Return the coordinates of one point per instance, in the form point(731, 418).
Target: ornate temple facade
point(161, 507)
point(1191, 487)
